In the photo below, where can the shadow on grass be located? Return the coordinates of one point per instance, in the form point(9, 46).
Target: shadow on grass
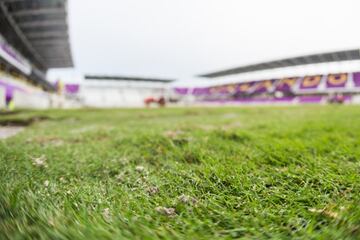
point(22, 122)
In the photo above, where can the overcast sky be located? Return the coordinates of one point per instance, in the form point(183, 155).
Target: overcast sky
point(182, 38)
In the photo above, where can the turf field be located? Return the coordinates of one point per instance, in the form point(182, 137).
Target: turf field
point(197, 173)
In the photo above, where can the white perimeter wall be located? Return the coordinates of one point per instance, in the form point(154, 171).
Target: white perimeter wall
point(2, 98)
point(42, 100)
point(33, 100)
point(109, 97)
point(112, 94)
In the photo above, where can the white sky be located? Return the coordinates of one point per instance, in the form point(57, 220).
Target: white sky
point(183, 38)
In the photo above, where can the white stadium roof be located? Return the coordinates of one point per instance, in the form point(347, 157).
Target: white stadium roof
point(289, 62)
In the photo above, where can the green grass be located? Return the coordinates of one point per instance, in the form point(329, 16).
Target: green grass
point(252, 173)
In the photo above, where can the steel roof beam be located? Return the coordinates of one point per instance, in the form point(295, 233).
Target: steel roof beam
point(48, 34)
point(44, 29)
point(47, 23)
point(50, 42)
point(39, 11)
point(26, 4)
point(56, 49)
point(54, 37)
point(47, 37)
point(57, 53)
point(32, 18)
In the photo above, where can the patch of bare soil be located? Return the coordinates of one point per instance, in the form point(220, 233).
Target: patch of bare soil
point(21, 122)
point(6, 132)
point(45, 141)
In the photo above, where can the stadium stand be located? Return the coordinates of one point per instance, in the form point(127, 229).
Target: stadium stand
point(307, 89)
point(33, 38)
point(238, 85)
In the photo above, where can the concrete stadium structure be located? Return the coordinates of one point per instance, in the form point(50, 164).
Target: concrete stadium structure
point(319, 78)
point(33, 38)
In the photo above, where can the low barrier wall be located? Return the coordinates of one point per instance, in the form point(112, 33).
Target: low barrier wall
point(2, 98)
point(31, 101)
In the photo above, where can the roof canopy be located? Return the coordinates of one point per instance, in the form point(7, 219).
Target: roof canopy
point(39, 29)
point(289, 62)
point(122, 78)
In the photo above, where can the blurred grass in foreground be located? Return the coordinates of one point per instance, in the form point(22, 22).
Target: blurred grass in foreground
point(198, 173)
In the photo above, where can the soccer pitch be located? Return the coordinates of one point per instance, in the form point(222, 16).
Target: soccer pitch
point(197, 173)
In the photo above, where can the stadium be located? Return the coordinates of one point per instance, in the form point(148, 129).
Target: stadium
point(265, 150)
point(34, 37)
point(313, 79)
